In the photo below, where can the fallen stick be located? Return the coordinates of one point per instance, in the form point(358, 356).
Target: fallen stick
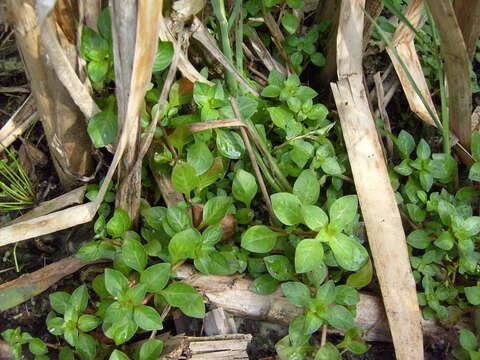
point(20, 121)
point(72, 197)
point(19, 290)
point(232, 293)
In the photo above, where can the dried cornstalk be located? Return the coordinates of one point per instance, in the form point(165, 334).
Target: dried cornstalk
point(468, 17)
point(379, 208)
point(146, 42)
point(457, 68)
point(63, 123)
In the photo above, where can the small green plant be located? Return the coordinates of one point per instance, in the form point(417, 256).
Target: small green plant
point(445, 230)
point(16, 339)
point(16, 189)
point(468, 349)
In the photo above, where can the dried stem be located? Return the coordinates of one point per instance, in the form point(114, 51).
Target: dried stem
point(258, 174)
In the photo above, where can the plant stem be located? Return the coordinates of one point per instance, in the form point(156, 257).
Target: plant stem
point(17, 267)
point(441, 81)
point(219, 10)
point(270, 159)
point(239, 41)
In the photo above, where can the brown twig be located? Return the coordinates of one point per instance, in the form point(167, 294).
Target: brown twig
point(323, 341)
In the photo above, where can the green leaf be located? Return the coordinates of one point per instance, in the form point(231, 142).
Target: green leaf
point(346, 295)
point(445, 241)
point(287, 207)
point(279, 267)
point(55, 325)
point(296, 331)
point(180, 137)
point(328, 352)
point(184, 178)
point(297, 293)
point(66, 354)
point(154, 216)
point(86, 346)
point(213, 262)
point(103, 128)
point(302, 151)
point(215, 210)
point(178, 218)
point(259, 239)
point(186, 298)
point(290, 22)
point(229, 144)
point(212, 235)
point(405, 144)
point(295, 4)
point(214, 173)
point(183, 245)
point(318, 275)
point(122, 330)
point(115, 282)
point(307, 187)
point(93, 46)
point(280, 116)
point(119, 223)
point(104, 23)
point(199, 157)
point(419, 239)
point(136, 294)
point(150, 349)
point(134, 254)
point(468, 340)
point(147, 318)
point(264, 284)
point(313, 322)
point(271, 91)
point(474, 172)
point(276, 78)
point(472, 225)
point(156, 277)
point(244, 187)
point(87, 322)
point(331, 166)
point(79, 298)
point(308, 255)
point(97, 70)
point(164, 56)
point(339, 317)
point(343, 211)
point(473, 294)
point(37, 347)
point(475, 145)
point(286, 351)
point(326, 293)
point(60, 301)
point(314, 217)
point(118, 355)
point(362, 277)
point(319, 60)
point(423, 150)
point(445, 211)
point(348, 252)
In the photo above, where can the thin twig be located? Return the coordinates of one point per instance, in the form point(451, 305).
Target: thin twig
point(251, 155)
point(323, 341)
point(383, 111)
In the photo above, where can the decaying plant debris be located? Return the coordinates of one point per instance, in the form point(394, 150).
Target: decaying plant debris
point(218, 179)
